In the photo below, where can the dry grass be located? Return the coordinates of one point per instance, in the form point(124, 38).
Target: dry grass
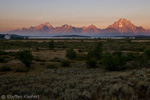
point(140, 40)
point(49, 55)
point(79, 83)
point(74, 83)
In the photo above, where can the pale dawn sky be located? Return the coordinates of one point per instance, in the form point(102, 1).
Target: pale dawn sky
point(25, 13)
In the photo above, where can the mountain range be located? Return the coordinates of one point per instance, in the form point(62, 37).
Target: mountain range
point(121, 27)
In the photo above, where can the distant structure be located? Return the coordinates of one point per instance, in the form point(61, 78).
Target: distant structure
point(7, 36)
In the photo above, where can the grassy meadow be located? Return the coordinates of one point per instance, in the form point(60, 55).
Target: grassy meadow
point(76, 69)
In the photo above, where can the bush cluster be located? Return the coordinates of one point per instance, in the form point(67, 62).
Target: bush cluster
point(2, 59)
point(94, 55)
point(51, 45)
point(115, 61)
point(51, 66)
point(96, 52)
point(2, 56)
point(26, 58)
point(91, 63)
point(5, 68)
point(71, 54)
point(65, 63)
point(21, 69)
point(118, 61)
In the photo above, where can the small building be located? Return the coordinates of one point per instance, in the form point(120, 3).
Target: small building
point(7, 36)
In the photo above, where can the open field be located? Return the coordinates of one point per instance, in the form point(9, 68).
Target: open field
point(48, 78)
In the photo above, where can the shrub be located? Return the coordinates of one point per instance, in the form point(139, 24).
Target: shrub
point(144, 59)
point(21, 69)
point(65, 63)
point(120, 58)
point(12, 54)
point(91, 53)
point(2, 52)
point(117, 53)
point(51, 66)
point(2, 60)
point(109, 62)
point(80, 51)
point(71, 54)
point(98, 50)
point(96, 53)
point(131, 57)
point(26, 58)
point(5, 69)
point(132, 65)
point(141, 60)
point(37, 49)
point(51, 45)
point(114, 61)
point(91, 63)
point(81, 57)
point(147, 53)
point(128, 40)
point(42, 63)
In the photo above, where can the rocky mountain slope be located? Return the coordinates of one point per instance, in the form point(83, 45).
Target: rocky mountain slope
point(120, 27)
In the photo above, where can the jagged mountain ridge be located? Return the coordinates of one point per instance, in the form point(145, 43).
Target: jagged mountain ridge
point(122, 26)
point(125, 26)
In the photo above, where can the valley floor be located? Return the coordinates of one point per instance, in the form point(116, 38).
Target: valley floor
point(47, 79)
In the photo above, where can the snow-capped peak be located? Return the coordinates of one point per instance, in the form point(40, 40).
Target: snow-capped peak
point(120, 25)
point(47, 24)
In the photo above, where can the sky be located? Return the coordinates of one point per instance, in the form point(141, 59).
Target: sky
point(16, 14)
